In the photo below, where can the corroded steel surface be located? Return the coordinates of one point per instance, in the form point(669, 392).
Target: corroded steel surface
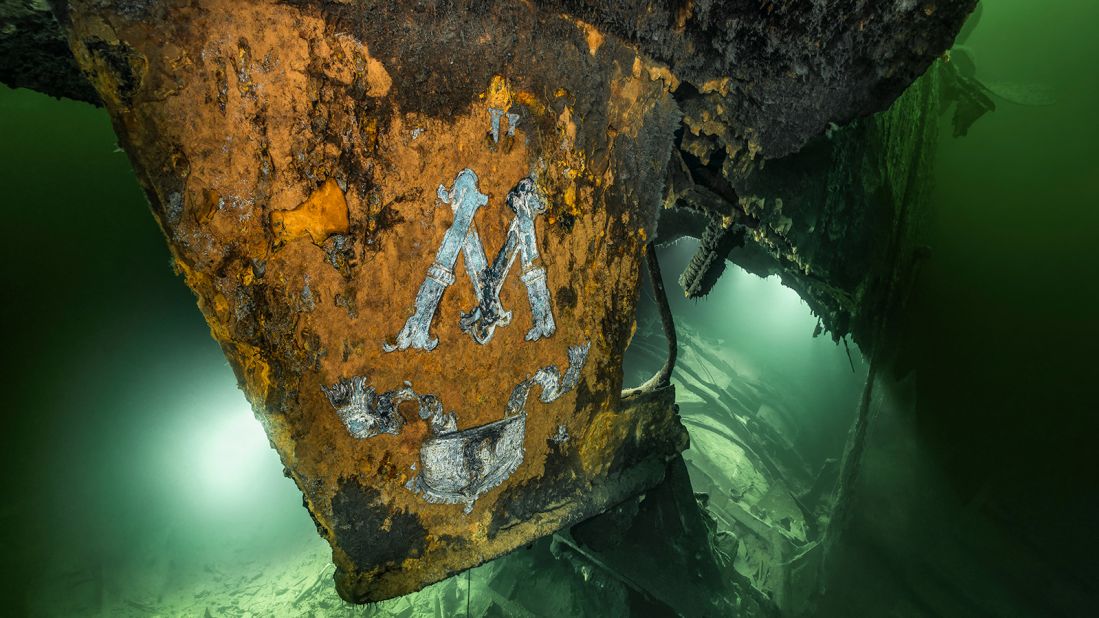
point(417, 239)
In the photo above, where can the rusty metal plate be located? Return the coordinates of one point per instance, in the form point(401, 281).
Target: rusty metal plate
point(417, 237)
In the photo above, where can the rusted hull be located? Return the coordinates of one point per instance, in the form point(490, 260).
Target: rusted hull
point(392, 220)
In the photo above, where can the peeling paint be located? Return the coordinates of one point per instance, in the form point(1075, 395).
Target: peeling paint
point(550, 379)
point(495, 114)
point(480, 322)
point(562, 435)
point(464, 197)
point(366, 414)
point(460, 466)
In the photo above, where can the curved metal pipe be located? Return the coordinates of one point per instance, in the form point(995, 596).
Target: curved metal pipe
point(663, 377)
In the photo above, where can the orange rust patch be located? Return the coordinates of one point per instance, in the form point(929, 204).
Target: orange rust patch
point(720, 86)
point(607, 431)
point(320, 216)
point(207, 206)
point(499, 93)
point(256, 370)
point(594, 38)
point(377, 77)
point(664, 74)
point(531, 102)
